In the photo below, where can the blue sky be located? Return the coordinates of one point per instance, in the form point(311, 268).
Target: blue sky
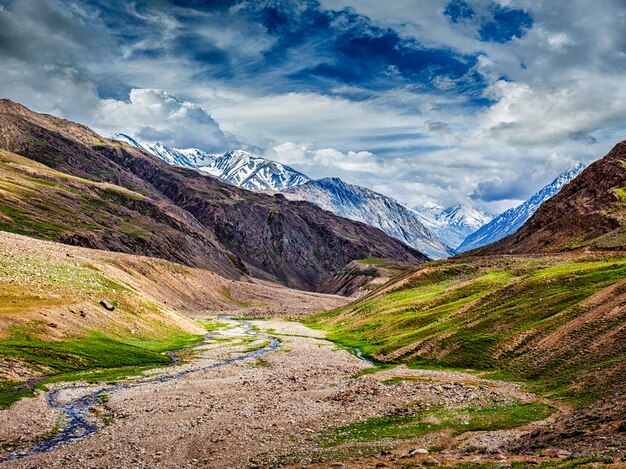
point(474, 101)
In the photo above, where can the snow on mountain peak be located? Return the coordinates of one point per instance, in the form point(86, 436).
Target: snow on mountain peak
point(374, 209)
point(511, 220)
point(452, 224)
point(238, 167)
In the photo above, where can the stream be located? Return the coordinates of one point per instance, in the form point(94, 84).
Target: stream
point(76, 411)
point(357, 352)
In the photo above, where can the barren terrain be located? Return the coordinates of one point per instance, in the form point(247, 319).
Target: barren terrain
point(271, 408)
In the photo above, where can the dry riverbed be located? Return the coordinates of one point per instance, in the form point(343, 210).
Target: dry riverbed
point(279, 408)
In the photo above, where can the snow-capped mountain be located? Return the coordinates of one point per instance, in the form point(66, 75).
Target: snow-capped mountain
point(374, 209)
point(238, 167)
point(453, 224)
point(243, 169)
point(510, 221)
point(191, 157)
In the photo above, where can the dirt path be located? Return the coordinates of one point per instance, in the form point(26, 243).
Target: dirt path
point(240, 401)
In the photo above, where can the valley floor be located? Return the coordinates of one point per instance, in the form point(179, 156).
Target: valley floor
point(306, 401)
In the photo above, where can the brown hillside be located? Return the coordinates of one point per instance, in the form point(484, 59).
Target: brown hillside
point(588, 213)
point(294, 242)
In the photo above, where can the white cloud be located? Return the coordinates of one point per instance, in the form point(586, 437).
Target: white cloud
point(326, 161)
point(558, 95)
point(154, 115)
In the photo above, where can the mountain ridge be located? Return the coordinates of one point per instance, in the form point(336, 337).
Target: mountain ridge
point(295, 243)
point(587, 214)
point(452, 224)
point(252, 172)
point(375, 209)
point(511, 220)
point(238, 167)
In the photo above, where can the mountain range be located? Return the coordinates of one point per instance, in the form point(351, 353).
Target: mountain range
point(436, 231)
point(107, 194)
point(238, 167)
point(252, 172)
point(361, 204)
point(544, 306)
point(511, 220)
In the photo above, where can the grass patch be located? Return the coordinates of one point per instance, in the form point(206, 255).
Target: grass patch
point(422, 422)
point(257, 346)
point(492, 315)
point(260, 363)
point(213, 325)
point(93, 359)
point(374, 369)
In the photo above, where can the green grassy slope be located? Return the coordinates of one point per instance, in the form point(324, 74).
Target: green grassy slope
point(53, 322)
point(555, 322)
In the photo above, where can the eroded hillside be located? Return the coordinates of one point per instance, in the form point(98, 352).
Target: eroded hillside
point(554, 322)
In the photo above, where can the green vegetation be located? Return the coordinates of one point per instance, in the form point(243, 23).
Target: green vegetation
point(58, 275)
point(92, 359)
point(506, 316)
point(213, 325)
point(260, 363)
point(257, 346)
point(38, 201)
point(376, 261)
point(420, 422)
point(621, 193)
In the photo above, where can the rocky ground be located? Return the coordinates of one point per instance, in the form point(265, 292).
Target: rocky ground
point(270, 410)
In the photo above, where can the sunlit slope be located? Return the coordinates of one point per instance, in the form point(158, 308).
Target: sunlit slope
point(558, 322)
point(38, 201)
point(75, 313)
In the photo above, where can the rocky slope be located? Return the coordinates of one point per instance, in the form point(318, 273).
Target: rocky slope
point(452, 224)
point(588, 213)
point(372, 208)
point(510, 221)
point(294, 242)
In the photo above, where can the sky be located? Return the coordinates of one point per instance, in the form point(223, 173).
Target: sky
point(428, 101)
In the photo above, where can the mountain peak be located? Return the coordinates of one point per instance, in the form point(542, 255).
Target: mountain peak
point(125, 138)
point(335, 181)
point(238, 167)
point(6, 105)
point(452, 224)
point(588, 213)
point(511, 220)
point(240, 154)
point(374, 209)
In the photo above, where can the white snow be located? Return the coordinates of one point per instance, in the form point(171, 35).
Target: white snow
point(512, 220)
point(374, 209)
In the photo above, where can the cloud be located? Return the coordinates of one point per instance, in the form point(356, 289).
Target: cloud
point(154, 115)
point(496, 189)
point(329, 158)
point(427, 100)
